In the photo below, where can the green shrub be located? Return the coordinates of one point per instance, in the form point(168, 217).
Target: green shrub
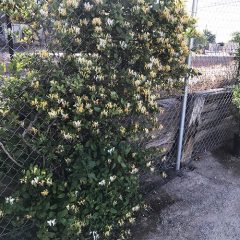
point(236, 91)
point(75, 119)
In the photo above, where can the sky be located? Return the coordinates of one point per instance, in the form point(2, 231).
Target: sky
point(221, 17)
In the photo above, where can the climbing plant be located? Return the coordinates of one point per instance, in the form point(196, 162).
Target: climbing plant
point(79, 109)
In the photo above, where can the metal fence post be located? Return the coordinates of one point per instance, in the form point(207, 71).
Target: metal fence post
point(185, 97)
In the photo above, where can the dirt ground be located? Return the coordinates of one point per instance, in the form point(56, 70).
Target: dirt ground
point(202, 203)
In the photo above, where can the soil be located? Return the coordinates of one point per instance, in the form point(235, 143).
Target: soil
point(201, 203)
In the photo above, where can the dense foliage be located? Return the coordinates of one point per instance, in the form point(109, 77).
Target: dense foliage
point(236, 90)
point(79, 109)
point(236, 39)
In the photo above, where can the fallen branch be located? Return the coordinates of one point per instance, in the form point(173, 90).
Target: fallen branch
point(9, 156)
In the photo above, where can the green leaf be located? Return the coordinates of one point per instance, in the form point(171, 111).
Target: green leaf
point(61, 195)
point(97, 109)
point(55, 206)
point(92, 176)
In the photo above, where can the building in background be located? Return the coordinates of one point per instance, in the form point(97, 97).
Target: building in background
point(229, 48)
point(17, 29)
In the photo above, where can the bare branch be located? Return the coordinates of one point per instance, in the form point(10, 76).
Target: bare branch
point(9, 156)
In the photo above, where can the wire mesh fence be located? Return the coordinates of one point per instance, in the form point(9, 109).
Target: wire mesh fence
point(215, 48)
point(215, 61)
point(209, 120)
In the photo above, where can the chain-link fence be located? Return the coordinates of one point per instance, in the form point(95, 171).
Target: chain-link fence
point(209, 119)
point(211, 90)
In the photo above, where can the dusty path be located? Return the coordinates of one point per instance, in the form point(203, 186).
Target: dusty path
point(203, 204)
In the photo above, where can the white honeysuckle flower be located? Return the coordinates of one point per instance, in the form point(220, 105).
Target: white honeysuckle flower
point(77, 124)
point(10, 200)
point(99, 77)
point(76, 29)
point(95, 235)
point(84, 22)
point(152, 169)
point(136, 208)
point(134, 170)
point(88, 6)
point(62, 11)
point(88, 105)
point(66, 136)
point(102, 183)
point(137, 96)
point(134, 155)
point(68, 160)
point(131, 220)
point(121, 222)
point(43, 13)
point(133, 73)
point(164, 175)
point(52, 222)
point(102, 43)
point(149, 164)
point(64, 115)
point(82, 60)
point(110, 151)
point(35, 181)
point(123, 44)
point(149, 66)
point(72, 3)
point(110, 21)
point(1, 213)
point(146, 130)
point(164, 159)
point(23, 180)
point(113, 178)
point(49, 182)
point(95, 124)
point(136, 8)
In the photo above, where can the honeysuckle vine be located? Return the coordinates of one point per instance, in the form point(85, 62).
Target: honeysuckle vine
point(80, 109)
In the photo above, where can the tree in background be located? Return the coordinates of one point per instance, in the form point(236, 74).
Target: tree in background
point(210, 37)
point(203, 39)
point(236, 37)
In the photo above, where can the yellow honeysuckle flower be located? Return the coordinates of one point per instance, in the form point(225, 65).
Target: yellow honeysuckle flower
point(44, 54)
point(45, 193)
point(79, 108)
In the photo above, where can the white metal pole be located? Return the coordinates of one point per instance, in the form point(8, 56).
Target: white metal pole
point(185, 97)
